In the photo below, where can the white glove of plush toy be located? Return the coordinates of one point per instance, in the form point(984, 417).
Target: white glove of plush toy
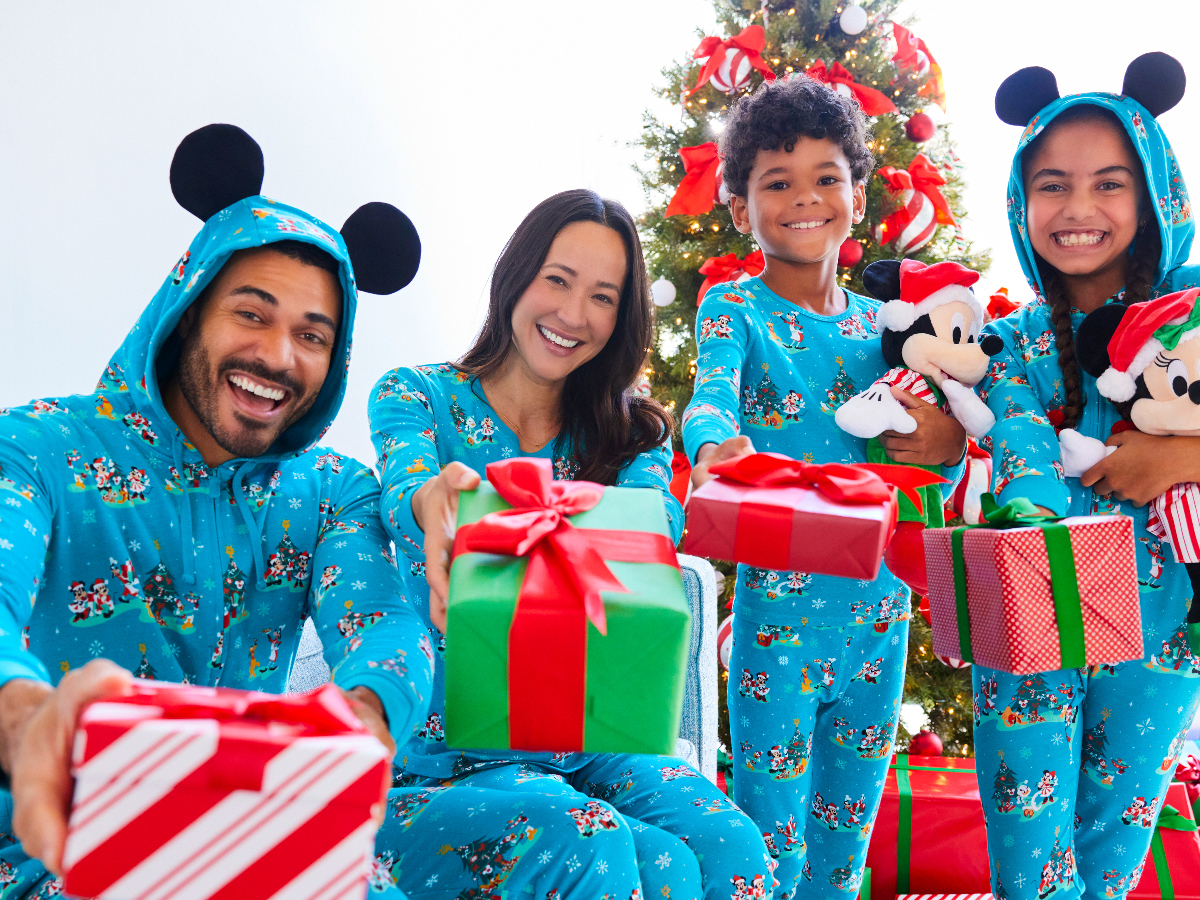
point(873, 412)
point(1080, 453)
point(972, 413)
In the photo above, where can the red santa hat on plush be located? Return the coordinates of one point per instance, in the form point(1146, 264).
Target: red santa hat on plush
point(923, 288)
point(1146, 330)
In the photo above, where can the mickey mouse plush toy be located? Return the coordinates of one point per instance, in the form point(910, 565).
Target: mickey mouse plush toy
point(1147, 356)
point(930, 322)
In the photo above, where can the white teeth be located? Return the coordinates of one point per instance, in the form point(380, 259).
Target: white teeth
point(247, 385)
point(803, 226)
point(555, 339)
point(1076, 239)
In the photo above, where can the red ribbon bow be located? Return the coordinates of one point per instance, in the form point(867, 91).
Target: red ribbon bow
point(912, 54)
point(923, 177)
point(1189, 774)
point(698, 190)
point(728, 268)
point(838, 77)
point(751, 40)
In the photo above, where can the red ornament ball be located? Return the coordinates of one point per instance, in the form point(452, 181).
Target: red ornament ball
point(925, 743)
point(850, 254)
point(919, 128)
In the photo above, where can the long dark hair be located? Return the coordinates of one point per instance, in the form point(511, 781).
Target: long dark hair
point(1140, 272)
point(606, 426)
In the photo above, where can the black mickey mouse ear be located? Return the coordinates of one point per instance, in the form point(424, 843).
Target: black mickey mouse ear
point(215, 167)
point(1156, 81)
point(1095, 331)
point(1023, 93)
point(882, 279)
point(384, 247)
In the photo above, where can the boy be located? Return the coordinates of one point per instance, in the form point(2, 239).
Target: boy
point(796, 165)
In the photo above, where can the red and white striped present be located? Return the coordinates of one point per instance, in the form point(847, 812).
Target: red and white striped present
point(944, 897)
point(188, 793)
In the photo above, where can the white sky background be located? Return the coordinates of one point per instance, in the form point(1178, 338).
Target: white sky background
point(463, 114)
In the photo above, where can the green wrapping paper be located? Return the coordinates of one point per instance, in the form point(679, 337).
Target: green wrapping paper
point(634, 673)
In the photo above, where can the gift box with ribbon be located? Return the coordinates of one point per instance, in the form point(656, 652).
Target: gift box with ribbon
point(929, 835)
point(1172, 867)
point(193, 791)
point(1023, 592)
point(769, 511)
point(567, 624)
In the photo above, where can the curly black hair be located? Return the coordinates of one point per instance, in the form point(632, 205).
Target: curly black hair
point(780, 112)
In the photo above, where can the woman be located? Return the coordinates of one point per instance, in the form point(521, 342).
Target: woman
point(566, 334)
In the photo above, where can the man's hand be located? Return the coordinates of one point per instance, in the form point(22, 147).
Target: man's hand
point(369, 709)
point(1144, 466)
point(715, 453)
point(435, 507)
point(41, 770)
point(938, 441)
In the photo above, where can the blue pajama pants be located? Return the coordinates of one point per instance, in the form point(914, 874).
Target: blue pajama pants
point(1073, 766)
point(813, 715)
point(620, 827)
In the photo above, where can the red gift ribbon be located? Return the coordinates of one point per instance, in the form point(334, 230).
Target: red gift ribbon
point(923, 177)
point(873, 102)
point(1189, 774)
point(560, 594)
point(717, 269)
point(909, 49)
point(751, 40)
point(771, 524)
point(698, 189)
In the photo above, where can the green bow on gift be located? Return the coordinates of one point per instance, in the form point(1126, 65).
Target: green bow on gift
point(1169, 818)
point(1021, 513)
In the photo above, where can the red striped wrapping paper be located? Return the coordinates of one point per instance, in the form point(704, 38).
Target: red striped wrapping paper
point(186, 793)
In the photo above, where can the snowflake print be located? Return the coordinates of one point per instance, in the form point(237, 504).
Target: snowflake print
point(545, 856)
point(849, 701)
point(96, 648)
point(294, 503)
point(817, 604)
point(1009, 840)
point(895, 639)
point(840, 763)
point(664, 860)
point(686, 789)
point(1036, 853)
point(340, 545)
point(1026, 752)
point(13, 501)
point(32, 529)
point(262, 607)
point(783, 660)
point(1141, 761)
point(1056, 740)
point(1066, 805)
point(1143, 727)
point(358, 585)
point(601, 866)
point(7, 545)
point(745, 722)
point(1019, 881)
point(758, 789)
point(573, 863)
point(431, 880)
point(170, 651)
point(135, 545)
point(237, 642)
point(1151, 691)
point(1097, 825)
point(1119, 849)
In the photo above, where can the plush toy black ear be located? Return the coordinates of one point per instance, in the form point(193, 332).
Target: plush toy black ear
point(215, 167)
point(385, 249)
point(1095, 331)
point(1024, 93)
point(1156, 81)
point(882, 279)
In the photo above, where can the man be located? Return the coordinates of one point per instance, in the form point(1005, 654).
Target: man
point(215, 400)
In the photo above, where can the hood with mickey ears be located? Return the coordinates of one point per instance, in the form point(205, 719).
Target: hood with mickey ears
point(1154, 83)
point(217, 174)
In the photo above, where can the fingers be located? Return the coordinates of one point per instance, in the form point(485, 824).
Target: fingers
point(437, 608)
point(459, 477)
point(732, 448)
point(907, 400)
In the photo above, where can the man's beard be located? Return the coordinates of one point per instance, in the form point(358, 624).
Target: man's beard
point(201, 388)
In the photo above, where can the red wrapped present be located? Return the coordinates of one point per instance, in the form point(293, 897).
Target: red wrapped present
point(1188, 771)
point(773, 512)
point(1172, 867)
point(1025, 592)
point(211, 792)
point(929, 834)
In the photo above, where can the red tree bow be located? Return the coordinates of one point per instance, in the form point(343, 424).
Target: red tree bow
point(716, 269)
point(1189, 773)
point(698, 190)
point(838, 77)
point(750, 41)
point(919, 184)
point(860, 483)
point(912, 54)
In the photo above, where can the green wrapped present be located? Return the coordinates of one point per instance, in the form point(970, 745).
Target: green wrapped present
point(567, 626)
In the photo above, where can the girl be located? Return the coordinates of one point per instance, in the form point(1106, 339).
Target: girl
point(1099, 214)
point(549, 376)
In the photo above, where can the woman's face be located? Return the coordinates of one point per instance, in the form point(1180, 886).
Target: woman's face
point(1083, 187)
point(569, 311)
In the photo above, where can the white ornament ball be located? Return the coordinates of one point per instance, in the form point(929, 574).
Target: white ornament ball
point(853, 20)
point(725, 642)
point(733, 73)
point(662, 292)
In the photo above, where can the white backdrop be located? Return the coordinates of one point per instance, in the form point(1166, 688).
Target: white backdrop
point(464, 114)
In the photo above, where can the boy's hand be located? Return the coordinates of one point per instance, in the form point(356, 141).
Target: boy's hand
point(435, 507)
point(1144, 466)
point(938, 441)
point(715, 453)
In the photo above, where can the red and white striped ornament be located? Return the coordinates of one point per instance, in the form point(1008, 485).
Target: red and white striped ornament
point(725, 642)
point(733, 73)
point(919, 219)
point(923, 208)
point(951, 662)
point(188, 795)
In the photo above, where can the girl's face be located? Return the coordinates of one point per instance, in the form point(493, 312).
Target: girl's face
point(1083, 190)
point(568, 312)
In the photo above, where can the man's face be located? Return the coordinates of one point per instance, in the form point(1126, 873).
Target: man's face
point(255, 353)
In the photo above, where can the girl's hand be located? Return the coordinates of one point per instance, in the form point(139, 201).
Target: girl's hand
point(435, 507)
point(715, 453)
point(938, 441)
point(1144, 466)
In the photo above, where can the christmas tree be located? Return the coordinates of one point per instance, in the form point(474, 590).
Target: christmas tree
point(233, 589)
point(144, 669)
point(1032, 694)
point(840, 391)
point(1004, 788)
point(159, 592)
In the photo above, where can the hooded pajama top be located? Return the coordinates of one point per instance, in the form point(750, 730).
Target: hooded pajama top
point(1073, 764)
point(117, 541)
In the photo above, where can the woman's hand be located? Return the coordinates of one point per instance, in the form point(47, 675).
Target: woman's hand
point(938, 441)
point(715, 453)
point(1144, 466)
point(435, 507)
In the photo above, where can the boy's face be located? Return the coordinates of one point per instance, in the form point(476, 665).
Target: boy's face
point(800, 205)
